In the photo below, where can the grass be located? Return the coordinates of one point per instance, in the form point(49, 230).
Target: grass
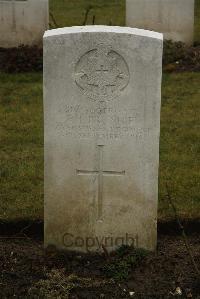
point(180, 144)
point(21, 147)
point(72, 12)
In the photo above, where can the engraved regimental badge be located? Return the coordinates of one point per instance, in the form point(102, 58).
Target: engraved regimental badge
point(101, 73)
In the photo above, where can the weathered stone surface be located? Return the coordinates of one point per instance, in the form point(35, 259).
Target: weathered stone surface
point(174, 18)
point(102, 92)
point(23, 22)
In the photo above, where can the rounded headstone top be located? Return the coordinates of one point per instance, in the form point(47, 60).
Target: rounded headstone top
point(101, 28)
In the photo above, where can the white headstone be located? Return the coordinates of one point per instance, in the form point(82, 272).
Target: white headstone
point(23, 22)
point(102, 94)
point(174, 18)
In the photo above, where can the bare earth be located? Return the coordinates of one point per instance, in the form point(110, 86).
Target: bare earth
point(29, 272)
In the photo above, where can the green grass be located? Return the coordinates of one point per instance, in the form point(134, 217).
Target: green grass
point(21, 146)
point(72, 13)
point(180, 144)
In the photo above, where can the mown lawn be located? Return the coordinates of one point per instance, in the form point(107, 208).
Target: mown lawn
point(180, 144)
point(21, 146)
point(73, 12)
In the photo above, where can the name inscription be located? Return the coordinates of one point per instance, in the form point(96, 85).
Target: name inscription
point(103, 123)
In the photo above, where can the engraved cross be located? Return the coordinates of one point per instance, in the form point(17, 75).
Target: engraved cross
point(100, 173)
point(102, 70)
point(103, 78)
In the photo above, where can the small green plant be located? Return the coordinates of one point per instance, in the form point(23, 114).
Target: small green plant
point(123, 250)
point(126, 258)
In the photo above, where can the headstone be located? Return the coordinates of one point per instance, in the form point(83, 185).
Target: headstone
point(23, 22)
point(174, 18)
point(102, 94)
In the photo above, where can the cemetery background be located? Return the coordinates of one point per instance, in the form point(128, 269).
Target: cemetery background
point(21, 186)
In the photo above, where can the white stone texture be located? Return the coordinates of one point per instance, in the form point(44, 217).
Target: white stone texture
point(102, 94)
point(23, 22)
point(173, 18)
